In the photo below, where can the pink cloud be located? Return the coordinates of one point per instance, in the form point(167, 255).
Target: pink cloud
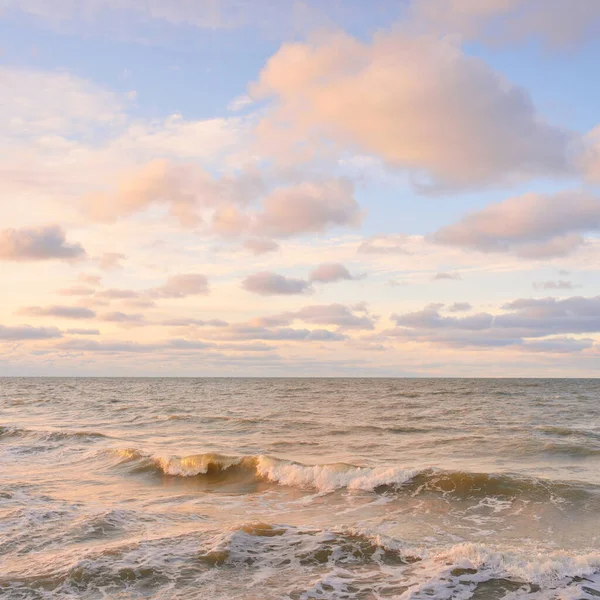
point(417, 102)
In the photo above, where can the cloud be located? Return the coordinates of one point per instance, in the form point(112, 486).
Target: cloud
point(38, 243)
point(553, 22)
point(62, 312)
point(70, 105)
point(430, 318)
point(459, 307)
point(111, 260)
point(417, 102)
point(522, 320)
point(340, 315)
point(83, 331)
point(444, 276)
point(89, 279)
point(150, 21)
point(330, 273)
point(121, 317)
point(108, 347)
point(385, 244)
point(260, 246)
point(270, 284)
point(530, 226)
point(239, 103)
point(138, 303)
point(309, 207)
point(182, 344)
point(174, 345)
point(231, 206)
point(27, 332)
point(553, 285)
point(184, 322)
point(117, 294)
point(558, 345)
point(76, 290)
point(180, 286)
point(590, 161)
point(185, 189)
point(329, 314)
point(249, 332)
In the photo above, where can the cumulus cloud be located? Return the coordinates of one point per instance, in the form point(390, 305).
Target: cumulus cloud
point(89, 279)
point(182, 344)
point(184, 189)
point(231, 206)
point(180, 286)
point(340, 315)
point(260, 246)
point(117, 294)
point(270, 284)
point(553, 285)
point(63, 312)
point(452, 275)
point(249, 332)
point(523, 320)
point(38, 243)
point(590, 160)
point(330, 273)
point(83, 331)
point(385, 244)
point(184, 322)
point(416, 101)
point(459, 307)
point(110, 347)
point(178, 345)
point(125, 318)
point(331, 314)
point(309, 207)
point(76, 290)
point(267, 283)
point(531, 226)
point(110, 260)
point(27, 332)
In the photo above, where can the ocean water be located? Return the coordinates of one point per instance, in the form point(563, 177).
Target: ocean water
point(299, 489)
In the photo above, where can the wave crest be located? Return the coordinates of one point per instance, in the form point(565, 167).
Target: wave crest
point(327, 478)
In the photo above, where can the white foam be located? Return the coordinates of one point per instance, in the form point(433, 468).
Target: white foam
point(328, 478)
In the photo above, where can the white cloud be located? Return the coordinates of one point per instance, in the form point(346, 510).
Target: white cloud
point(52, 102)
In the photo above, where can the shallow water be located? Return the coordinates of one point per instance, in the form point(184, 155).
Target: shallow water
point(299, 488)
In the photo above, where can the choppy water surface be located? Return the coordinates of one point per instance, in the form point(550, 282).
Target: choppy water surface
point(299, 489)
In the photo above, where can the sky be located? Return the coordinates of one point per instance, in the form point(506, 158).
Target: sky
point(259, 188)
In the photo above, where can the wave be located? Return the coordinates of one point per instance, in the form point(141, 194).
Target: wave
point(568, 431)
point(324, 478)
point(355, 563)
point(327, 478)
point(280, 560)
point(49, 436)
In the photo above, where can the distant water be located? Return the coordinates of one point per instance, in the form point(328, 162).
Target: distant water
point(299, 489)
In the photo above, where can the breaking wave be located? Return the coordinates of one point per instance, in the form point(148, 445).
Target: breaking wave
point(307, 563)
point(327, 478)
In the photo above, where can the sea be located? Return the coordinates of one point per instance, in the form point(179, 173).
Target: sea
point(297, 489)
